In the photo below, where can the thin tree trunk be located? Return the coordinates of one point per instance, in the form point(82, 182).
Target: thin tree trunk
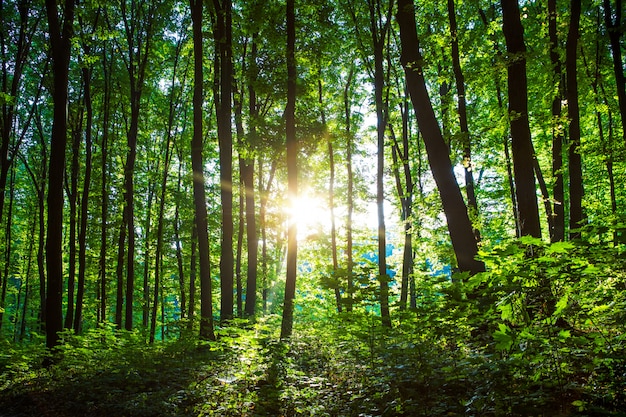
point(60, 44)
point(104, 213)
point(223, 43)
point(459, 224)
point(292, 172)
point(8, 245)
point(248, 181)
point(147, 252)
point(518, 112)
point(84, 204)
point(379, 34)
point(264, 195)
point(615, 29)
point(179, 249)
point(557, 232)
point(331, 190)
point(197, 166)
point(462, 110)
point(573, 112)
point(350, 191)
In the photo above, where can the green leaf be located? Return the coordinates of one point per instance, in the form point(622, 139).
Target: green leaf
point(561, 304)
point(559, 247)
point(504, 341)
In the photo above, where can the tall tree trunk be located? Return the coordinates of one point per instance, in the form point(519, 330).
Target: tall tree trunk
point(576, 216)
point(400, 157)
point(264, 195)
point(104, 208)
point(139, 27)
point(197, 166)
point(119, 274)
point(615, 29)
point(19, 62)
point(147, 255)
point(60, 43)
point(239, 248)
point(462, 110)
point(223, 43)
point(179, 249)
point(518, 113)
point(350, 191)
point(84, 203)
point(557, 234)
point(72, 194)
point(248, 182)
point(292, 172)
point(8, 247)
point(379, 35)
point(331, 188)
point(158, 256)
point(459, 224)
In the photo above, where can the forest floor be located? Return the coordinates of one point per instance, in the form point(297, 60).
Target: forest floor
point(357, 371)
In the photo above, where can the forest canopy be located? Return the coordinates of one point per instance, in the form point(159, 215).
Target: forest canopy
point(435, 188)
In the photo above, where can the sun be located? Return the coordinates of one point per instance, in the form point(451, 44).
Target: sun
point(310, 213)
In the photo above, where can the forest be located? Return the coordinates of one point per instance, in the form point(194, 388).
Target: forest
point(312, 208)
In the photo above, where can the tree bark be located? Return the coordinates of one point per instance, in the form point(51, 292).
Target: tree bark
point(576, 192)
point(292, 172)
point(521, 144)
point(84, 204)
point(459, 79)
point(223, 42)
point(557, 234)
point(60, 44)
point(459, 224)
point(615, 29)
point(201, 216)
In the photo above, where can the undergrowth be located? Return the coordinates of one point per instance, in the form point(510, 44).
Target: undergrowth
point(483, 346)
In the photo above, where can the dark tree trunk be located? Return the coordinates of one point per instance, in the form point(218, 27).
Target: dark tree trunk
point(615, 29)
point(84, 204)
point(379, 34)
point(8, 246)
point(557, 233)
point(119, 274)
point(179, 249)
point(331, 189)
point(72, 194)
point(350, 191)
point(462, 110)
point(104, 213)
point(264, 195)
point(576, 216)
point(522, 148)
point(223, 43)
point(248, 182)
point(292, 172)
point(139, 32)
point(459, 224)
point(147, 255)
point(60, 44)
point(158, 256)
point(197, 166)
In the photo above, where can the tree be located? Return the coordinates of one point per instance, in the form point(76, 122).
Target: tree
point(60, 31)
point(558, 223)
point(459, 224)
point(615, 29)
point(523, 164)
point(292, 172)
point(222, 33)
point(573, 114)
point(197, 166)
point(139, 29)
